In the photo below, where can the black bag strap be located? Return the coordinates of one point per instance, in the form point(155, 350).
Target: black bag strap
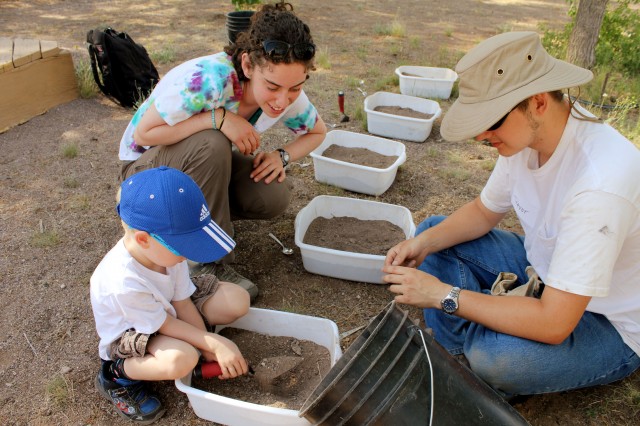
point(96, 38)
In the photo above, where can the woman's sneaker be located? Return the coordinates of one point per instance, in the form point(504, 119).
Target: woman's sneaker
point(131, 398)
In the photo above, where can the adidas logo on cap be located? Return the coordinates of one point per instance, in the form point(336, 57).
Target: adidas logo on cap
point(204, 213)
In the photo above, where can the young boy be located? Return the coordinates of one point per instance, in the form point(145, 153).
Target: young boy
point(151, 318)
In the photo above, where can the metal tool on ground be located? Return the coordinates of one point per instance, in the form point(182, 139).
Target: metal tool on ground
point(275, 374)
point(285, 250)
point(345, 117)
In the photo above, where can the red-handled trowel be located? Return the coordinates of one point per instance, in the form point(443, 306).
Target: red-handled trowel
point(345, 117)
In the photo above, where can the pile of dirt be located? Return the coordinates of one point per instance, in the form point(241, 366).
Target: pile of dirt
point(403, 112)
point(361, 156)
point(353, 235)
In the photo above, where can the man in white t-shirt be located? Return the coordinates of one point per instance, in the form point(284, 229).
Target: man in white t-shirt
point(572, 181)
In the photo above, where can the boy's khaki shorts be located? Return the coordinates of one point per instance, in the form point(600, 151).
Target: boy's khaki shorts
point(132, 344)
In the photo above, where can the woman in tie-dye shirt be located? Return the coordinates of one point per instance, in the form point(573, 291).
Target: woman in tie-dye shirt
point(206, 115)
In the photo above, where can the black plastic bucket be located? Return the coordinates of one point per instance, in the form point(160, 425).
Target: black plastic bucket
point(393, 373)
point(238, 21)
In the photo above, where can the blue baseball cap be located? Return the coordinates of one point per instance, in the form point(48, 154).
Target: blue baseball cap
point(169, 205)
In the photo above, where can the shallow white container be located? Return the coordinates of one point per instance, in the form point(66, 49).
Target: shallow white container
point(234, 412)
point(343, 264)
point(396, 126)
point(426, 82)
point(356, 177)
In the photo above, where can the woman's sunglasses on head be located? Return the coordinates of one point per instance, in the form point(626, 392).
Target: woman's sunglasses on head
point(276, 49)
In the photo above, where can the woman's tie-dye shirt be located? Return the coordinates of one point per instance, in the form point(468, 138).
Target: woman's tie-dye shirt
point(203, 84)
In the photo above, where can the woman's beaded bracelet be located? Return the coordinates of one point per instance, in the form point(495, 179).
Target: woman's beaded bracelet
point(213, 118)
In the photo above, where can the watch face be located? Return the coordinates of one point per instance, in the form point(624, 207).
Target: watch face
point(284, 155)
point(449, 305)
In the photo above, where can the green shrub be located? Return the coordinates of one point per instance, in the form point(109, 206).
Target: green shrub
point(87, 87)
point(70, 150)
point(245, 4)
point(617, 43)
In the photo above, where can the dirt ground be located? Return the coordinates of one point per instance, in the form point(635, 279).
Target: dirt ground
point(58, 219)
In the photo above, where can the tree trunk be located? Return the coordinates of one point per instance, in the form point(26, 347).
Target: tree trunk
point(584, 37)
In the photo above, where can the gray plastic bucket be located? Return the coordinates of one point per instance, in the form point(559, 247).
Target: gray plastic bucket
point(394, 373)
point(238, 21)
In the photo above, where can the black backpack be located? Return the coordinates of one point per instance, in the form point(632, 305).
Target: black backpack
point(122, 68)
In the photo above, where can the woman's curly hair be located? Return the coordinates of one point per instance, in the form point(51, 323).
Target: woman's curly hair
point(271, 22)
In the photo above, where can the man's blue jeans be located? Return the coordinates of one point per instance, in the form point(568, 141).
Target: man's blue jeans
point(593, 354)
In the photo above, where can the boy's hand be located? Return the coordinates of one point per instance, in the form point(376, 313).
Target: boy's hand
point(230, 359)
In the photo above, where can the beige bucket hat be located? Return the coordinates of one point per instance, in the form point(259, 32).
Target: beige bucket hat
point(498, 74)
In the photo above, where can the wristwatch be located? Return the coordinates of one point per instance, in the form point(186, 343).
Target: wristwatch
point(450, 302)
point(284, 156)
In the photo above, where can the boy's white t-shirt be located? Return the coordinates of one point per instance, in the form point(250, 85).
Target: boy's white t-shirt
point(204, 84)
point(581, 216)
point(125, 295)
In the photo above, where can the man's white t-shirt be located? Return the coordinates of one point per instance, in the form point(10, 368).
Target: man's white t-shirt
point(126, 294)
point(581, 216)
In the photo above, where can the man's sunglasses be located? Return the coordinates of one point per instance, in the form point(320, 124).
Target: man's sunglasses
point(500, 122)
point(276, 49)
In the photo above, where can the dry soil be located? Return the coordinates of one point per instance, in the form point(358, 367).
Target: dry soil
point(57, 216)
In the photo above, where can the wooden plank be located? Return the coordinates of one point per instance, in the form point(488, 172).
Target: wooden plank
point(34, 88)
point(48, 48)
point(6, 54)
point(25, 51)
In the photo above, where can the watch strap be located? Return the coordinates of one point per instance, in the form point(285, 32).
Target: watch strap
point(284, 155)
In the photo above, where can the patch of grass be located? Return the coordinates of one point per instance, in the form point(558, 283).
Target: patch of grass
point(396, 49)
point(352, 82)
point(70, 150)
point(322, 58)
point(362, 52)
point(360, 113)
point(45, 239)
point(626, 119)
point(448, 32)
point(415, 42)
point(393, 29)
point(71, 182)
point(59, 391)
point(330, 190)
point(165, 55)
point(504, 28)
point(448, 58)
point(80, 202)
point(455, 157)
point(455, 174)
point(386, 82)
point(87, 87)
point(488, 165)
point(432, 152)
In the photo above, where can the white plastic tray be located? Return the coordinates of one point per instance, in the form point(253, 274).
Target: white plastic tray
point(343, 264)
point(234, 412)
point(426, 82)
point(396, 126)
point(357, 177)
